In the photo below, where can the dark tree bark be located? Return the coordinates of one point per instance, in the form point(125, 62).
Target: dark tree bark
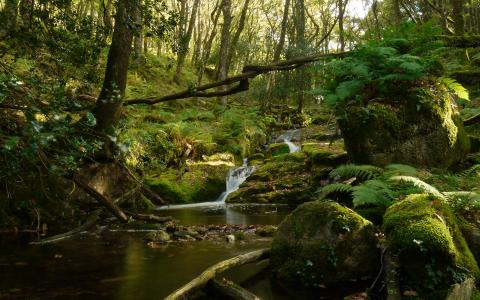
point(397, 14)
point(238, 32)
point(224, 45)
point(208, 42)
point(138, 34)
point(342, 4)
point(109, 103)
point(267, 104)
point(184, 42)
point(457, 15)
point(301, 77)
point(9, 18)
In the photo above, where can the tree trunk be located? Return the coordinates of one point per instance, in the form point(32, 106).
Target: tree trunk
point(238, 32)
point(208, 43)
point(267, 104)
point(138, 37)
point(26, 13)
point(109, 103)
point(457, 14)
point(396, 12)
point(301, 76)
point(224, 46)
point(342, 4)
point(9, 15)
point(184, 42)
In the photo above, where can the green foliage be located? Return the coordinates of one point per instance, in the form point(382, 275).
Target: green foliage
point(334, 188)
point(456, 88)
point(375, 193)
point(360, 172)
point(425, 187)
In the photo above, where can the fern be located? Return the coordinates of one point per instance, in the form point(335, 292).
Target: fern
point(334, 188)
point(463, 200)
point(455, 87)
point(361, 172)
point(373, 193)
point(473, 171)
point(425, 187)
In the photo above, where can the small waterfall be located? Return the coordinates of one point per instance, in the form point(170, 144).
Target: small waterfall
point(235, 178)
point(287, 137)
point(291, 146)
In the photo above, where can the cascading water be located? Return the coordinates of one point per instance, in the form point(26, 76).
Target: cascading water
point(287, 137)
point(235, 178)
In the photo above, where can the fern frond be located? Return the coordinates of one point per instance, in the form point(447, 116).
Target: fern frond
point(372, 192)
point(400, 169)
point(334, 188)
point(472, 171)
point(361, 172)
point(463, 199)
point(455, 87)
point(425, 187)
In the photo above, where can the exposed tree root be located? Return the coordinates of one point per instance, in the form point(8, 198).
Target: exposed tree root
point(210, 273)
point(92, 219)
point(149, 218)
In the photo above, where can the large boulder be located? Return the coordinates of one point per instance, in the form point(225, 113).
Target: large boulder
point(322, 242)
point(432, 253)
point(201, 181)
point(424, 129)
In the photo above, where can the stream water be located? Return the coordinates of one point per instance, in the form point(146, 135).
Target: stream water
point(121, 265)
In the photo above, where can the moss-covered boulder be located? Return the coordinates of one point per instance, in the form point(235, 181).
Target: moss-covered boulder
point(201, 181)
point(423, 129)
point(277, 149)
point(431, 249)
point(322, 242)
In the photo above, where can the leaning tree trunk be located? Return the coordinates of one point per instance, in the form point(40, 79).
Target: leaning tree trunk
point(208, 43)
point(224, 46)
point(184, 42)
point(109, 104)
point(236, 36)
point(267, 104)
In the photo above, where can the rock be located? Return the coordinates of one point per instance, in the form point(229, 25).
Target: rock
point(423, 232)
point(277, 149)
point(158, 236)
point(230, 238)
point(322, 242)
point(181, 234)
point(201, 182)
point(420, 130)
point(267, 230)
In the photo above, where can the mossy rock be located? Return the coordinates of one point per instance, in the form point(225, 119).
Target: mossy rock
point(159, 236)
point(322, 242)
point(431, 249)
point(201, 182)
point(424, 129)
point(295, 157)
point(277, 149)
point(321, 155)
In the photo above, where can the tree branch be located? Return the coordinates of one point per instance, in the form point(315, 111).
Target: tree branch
point(249, 71)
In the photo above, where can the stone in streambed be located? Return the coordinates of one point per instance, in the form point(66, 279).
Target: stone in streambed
point(158, 236)
point(322, 242)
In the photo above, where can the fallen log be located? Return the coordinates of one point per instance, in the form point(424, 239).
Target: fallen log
point(213, 271)
point(91, 220)
point(149, 218)
point(230, 290)
point(112, 207)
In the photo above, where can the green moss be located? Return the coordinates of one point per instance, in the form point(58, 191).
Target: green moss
point(425, 234)
point(202, 182)
point(294, 157)
point(278, 149)
point(322, 241)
